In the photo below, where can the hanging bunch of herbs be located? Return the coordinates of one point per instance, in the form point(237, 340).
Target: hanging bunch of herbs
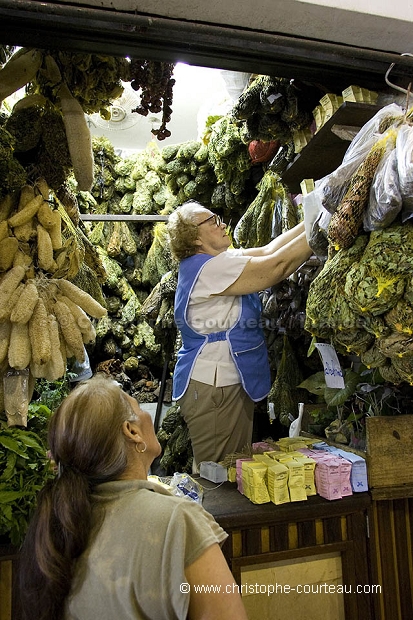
point(24, 468)
point(93, 79)
point(155, 81)
point(24, 462)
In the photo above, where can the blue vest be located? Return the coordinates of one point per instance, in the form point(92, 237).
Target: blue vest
point(245, 338)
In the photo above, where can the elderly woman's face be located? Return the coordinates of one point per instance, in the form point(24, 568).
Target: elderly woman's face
point(212, 236)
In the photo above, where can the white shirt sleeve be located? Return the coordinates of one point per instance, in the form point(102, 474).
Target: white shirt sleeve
point(210, 312)
point(219, 273)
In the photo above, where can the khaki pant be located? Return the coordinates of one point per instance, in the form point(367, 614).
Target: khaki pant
point(219, 419)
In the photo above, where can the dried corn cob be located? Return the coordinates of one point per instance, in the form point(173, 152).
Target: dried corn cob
point(4, 230)
point(43, 188)
point(8, 285)
point(39, 334)
point(45, 250)
point(25, 232)
point(27, 213)
point(70, 330)
point(22, 259)
point(45, 215)
point(81, 298)
point(56, 366)
point(26, 195)
point(5, 329)
point(8, 249)
point(10, 304)
point(55, 230)
point(6, 206)
point(82, 320)
point(19, 353)
point(26, 303)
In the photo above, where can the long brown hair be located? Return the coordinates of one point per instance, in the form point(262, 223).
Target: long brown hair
point(86, 441)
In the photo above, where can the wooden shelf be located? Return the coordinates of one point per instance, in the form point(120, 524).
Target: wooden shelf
point(325, 151)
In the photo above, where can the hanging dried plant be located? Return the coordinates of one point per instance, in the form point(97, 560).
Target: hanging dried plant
point(155, 80)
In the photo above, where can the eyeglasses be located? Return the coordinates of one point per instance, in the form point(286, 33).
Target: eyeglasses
point(217, 220)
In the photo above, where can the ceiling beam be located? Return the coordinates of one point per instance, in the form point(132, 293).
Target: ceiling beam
point(102, 31)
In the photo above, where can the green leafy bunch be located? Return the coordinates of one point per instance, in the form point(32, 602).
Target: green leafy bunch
point(24, 469)
point(365, 393)
point(24, 462)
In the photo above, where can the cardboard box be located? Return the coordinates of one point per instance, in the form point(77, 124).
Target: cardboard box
point(389, 455)
point(353, 93)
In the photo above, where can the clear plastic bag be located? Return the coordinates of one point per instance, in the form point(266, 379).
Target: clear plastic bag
point(404, 152)
point(332, 188)
point(183, 485)
point(16, 396)
point(295, 426)
point(316, 229)
point(385, 201)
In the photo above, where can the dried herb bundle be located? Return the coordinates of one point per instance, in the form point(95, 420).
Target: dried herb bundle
point(155, 80)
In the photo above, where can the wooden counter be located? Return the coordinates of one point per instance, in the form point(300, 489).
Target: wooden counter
point(267, 534)
point(9, 560)
point(371, 539)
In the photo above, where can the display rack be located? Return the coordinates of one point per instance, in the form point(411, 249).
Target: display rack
point(325, 151)
point(121, 217)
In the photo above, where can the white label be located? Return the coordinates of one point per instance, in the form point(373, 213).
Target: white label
point(332, 369)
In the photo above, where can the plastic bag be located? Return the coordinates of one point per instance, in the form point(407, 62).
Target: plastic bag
point(80, 371)
point(295, 426)
point(331, 189)
point(404, 153)
point(16, 397)
point(316, 229)
point(385, 200)
point(183, 485)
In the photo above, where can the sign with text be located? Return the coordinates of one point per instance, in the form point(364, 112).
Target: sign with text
point(332, 369)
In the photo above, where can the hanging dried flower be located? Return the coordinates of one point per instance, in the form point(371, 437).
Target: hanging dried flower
point(156, 83)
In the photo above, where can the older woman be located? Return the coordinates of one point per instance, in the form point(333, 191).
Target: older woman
point(107, 543)
point(222, 366)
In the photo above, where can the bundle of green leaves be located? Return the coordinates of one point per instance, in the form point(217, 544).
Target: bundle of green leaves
point(24, 469)
point(25, 465)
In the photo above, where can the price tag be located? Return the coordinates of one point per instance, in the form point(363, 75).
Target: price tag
point(332, 369)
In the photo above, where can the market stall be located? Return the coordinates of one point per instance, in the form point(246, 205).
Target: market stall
point(85, 228)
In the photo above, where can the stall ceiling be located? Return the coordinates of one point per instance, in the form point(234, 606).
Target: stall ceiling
point(375, 24)
point(300, 40)
point(280, 38)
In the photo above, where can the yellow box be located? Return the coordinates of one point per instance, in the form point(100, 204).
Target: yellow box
point(373, 97)
point(307, 186)
point(232, 474)
point(253, 482)
point(298, 147)
point(319, 115)
point(329, 99)
point(352, 93)
point(366, 96)
point(296, 481)
point(277, 483)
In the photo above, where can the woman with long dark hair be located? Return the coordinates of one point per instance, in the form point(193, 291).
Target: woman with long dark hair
point(105, 542)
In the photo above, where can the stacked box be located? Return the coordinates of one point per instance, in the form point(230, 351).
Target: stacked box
point(253, 481)
point(328, 477)
point(309, 472)
point(239, 481)
point(358, 474)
